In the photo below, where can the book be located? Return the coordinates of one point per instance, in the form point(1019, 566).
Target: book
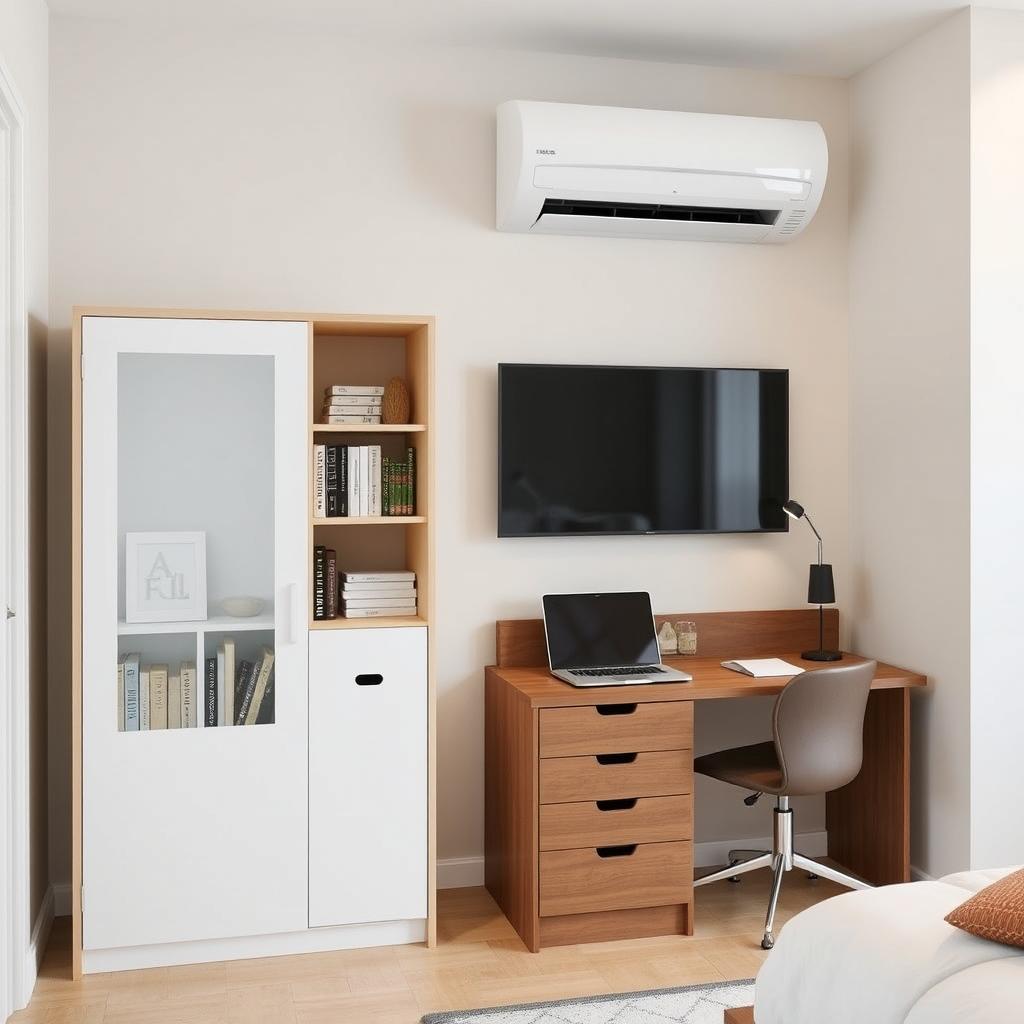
point(331, 584)
point(359, 403)
point(761, 668)
point(319, 481)
point(364, 480)
point(402, 601)
point(352, 463)
point(382, 587)
point(410, 496)
point(354, 389)
point(144, 710)
point(241, 680)
point(370, 613)
point(378, 596)
point(319, 582)
point(265, 715)
point(385, 485)
point(266, 664)
point(131, 692)
point(385, 576)
point(229, 681)
point(342, 418)
point(210, 692)
point(221, 720)
point(120, 693)
point(374, 475)
point(174, 700)
point(188, 695)
point(342, 480)
point(158, 696)
point(331, 470)
point(247, 691)
point(351, 410)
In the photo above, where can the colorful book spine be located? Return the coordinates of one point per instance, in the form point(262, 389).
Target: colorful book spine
point(373, 470)
point(385, 496)
point(211, 692)
point(342, 480)
point(410, 501)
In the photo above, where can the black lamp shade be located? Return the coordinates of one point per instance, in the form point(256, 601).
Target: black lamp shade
point(821, 588)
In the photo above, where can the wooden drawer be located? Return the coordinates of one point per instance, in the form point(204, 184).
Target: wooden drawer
point(613, 776)
point(616, 728)
point(615, 878)
point(655, 819)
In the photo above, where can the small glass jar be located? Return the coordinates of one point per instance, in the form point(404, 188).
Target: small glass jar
point(686, 637)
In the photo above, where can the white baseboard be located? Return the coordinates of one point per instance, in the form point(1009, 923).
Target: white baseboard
point(917, 875)
point(37, 946)
point(61, 899)
point(465, 872)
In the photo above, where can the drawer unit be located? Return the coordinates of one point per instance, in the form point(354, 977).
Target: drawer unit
point(616, 728)
point(615, 878)
point(615, 776)
point(656, 819)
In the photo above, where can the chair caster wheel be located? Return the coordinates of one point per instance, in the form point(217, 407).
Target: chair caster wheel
point(768, 941)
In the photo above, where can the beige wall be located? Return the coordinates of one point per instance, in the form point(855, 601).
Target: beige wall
point(910, 407)
point(24, 26)
point(997, 432)
point(280, 170)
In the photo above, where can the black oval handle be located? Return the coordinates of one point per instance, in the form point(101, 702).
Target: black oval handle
point(615, 758)
point(616, 805)
point(369, 679)
point(616, 709)
point(616, 851)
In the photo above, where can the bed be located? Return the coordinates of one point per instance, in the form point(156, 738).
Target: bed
point(886, 956)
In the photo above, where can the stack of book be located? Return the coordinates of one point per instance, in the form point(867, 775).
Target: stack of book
point(152, 697)
point(366, 595)
point(352, 403)
point(358, 480)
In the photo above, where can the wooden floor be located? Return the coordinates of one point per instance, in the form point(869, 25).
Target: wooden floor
point(479, 961)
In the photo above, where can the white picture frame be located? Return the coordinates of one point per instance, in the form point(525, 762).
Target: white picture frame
point(165, 576)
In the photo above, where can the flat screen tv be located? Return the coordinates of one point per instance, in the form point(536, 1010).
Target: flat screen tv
point(641, 450)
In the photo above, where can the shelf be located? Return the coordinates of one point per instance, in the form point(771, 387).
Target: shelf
point(374, 622)
point(218, 624)
point(369, 520)
point(368, 428)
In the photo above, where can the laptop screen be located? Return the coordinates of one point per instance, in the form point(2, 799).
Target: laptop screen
point(600, 630)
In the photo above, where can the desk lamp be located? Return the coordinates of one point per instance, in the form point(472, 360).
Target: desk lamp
point(821, 589)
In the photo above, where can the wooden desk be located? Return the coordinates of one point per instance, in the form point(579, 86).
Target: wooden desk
point(589, 793)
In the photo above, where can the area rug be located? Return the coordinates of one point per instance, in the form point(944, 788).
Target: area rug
point(692, 1004)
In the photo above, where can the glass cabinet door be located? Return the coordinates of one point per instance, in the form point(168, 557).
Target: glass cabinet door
point(194, 647)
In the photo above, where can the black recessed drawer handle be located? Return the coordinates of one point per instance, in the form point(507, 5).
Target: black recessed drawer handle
point(369, 679)
point(615, 758)
point(616, 709)
point(616, 851)
point(616, 805)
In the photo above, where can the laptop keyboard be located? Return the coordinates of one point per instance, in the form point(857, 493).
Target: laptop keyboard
point(627, 670)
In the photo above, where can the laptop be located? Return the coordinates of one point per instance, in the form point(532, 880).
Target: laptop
point(604, 640)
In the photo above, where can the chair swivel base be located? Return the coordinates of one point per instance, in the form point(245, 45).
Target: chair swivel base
point(782, 859)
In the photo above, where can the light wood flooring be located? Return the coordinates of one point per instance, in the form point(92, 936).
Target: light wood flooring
point(479, 961)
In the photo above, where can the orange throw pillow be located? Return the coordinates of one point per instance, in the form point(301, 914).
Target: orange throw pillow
point(996, 912)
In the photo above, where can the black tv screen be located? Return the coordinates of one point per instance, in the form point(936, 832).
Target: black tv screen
point(624, 449)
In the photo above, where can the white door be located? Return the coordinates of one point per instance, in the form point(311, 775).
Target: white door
point(194, 437)
point(367, 775)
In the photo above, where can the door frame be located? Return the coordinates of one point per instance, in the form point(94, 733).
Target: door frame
point(17, 975)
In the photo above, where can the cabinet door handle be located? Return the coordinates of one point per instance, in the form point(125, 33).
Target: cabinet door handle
point(369, 679)
point(616, 851)
point(616, 709)
point(616, 805)
point(615, 758)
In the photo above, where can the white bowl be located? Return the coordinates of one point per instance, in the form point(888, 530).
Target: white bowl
point(243, 607)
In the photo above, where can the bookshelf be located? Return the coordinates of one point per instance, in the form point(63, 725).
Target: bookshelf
point(251, 799)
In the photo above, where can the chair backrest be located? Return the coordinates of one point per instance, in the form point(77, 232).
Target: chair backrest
point(818, 726)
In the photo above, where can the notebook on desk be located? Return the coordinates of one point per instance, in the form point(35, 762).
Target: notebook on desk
point(763, 668)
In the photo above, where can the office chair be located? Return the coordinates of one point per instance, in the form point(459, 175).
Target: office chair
point(817, 746)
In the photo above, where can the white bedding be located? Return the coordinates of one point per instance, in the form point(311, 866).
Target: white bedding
point(886, 956)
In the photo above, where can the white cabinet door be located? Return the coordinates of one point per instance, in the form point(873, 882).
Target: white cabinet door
point(198, 427)
point(367, 775)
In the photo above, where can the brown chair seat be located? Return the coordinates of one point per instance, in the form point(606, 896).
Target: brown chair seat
point(754, 767)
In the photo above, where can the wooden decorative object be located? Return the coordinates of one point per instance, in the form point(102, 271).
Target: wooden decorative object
point(396, 405)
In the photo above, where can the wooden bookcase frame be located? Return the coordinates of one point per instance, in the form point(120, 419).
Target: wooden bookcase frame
point(414, 336)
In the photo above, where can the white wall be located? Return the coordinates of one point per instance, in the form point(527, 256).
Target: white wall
point(997, 433)
point(24, 33)
point(278, 170)
point(910, 408)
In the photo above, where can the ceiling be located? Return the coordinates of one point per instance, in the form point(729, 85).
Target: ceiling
point(826, 37)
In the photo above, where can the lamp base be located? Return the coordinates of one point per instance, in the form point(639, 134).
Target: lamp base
point(822, 655)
